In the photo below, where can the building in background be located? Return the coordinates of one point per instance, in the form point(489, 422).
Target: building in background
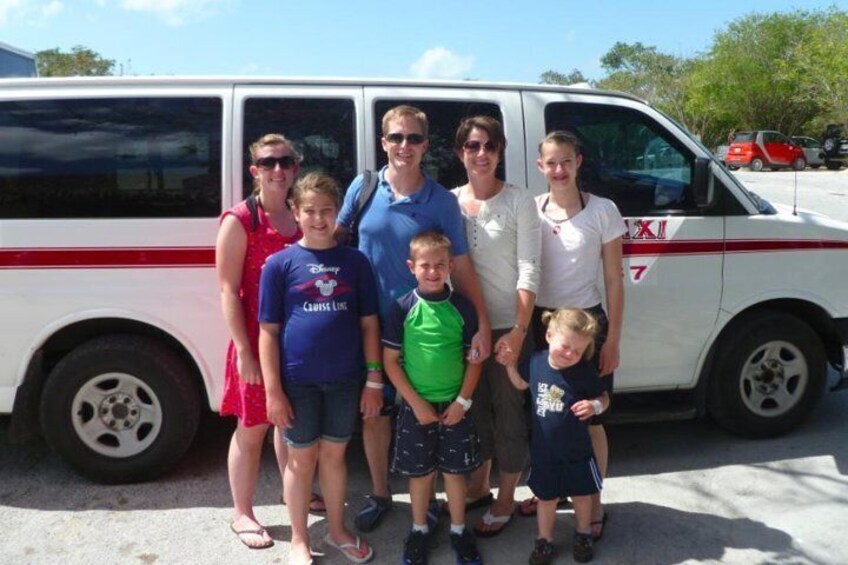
point(15, 62)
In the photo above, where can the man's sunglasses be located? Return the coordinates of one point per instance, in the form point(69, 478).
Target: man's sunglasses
point(285, 162)
point(473, 146)
point(412, 138)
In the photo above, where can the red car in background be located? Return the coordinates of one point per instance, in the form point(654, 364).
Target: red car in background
point(764, 148)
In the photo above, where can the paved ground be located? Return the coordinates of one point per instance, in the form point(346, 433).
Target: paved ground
point(678, 492)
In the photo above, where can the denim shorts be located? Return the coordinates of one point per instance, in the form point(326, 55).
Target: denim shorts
point(327, 411)
point(420, 450)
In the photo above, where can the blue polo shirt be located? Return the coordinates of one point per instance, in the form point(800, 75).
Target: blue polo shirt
point(387, 225)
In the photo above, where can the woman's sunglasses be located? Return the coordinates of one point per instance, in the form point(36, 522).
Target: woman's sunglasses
point(285, 162)
point(412, 138)
point(473, 146)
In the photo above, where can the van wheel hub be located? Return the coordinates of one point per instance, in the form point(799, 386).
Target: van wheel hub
point(774, 378)
point(119, 411)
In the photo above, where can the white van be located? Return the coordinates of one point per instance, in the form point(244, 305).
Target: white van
point(112, 339)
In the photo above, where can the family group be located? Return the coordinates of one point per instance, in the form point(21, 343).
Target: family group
point(425, 315)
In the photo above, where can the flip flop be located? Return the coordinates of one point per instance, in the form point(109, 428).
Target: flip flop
point(348, 548)
point(527, 507)
point(316, 503)
point(490, 519)
point(261, 532)
point(471, 504)
point(600, 524)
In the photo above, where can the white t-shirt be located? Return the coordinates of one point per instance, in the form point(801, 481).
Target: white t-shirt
point(571, 253)
point(503, 241)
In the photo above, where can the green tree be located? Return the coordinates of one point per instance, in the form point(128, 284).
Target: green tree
point(554, 77)
point(774, 71)
point(80, 61)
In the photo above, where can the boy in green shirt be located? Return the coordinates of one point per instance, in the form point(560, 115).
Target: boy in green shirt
point(427, 334)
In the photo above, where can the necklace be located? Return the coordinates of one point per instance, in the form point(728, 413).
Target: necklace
point(557, 223)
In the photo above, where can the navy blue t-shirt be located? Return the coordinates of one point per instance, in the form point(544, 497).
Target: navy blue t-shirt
point(319, 296)
point(558, 435)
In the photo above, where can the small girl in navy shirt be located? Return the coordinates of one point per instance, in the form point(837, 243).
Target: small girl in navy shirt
point(566, 392)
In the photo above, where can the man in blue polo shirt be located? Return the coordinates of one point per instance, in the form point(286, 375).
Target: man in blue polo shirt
point(405, 203)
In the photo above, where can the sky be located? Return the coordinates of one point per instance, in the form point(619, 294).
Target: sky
point(494, 40)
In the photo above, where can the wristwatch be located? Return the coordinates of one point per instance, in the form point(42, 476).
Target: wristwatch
point(465, 403)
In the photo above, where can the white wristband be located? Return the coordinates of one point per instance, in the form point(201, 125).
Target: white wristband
point(597, 406)
point(465, 403)
point(374, 385)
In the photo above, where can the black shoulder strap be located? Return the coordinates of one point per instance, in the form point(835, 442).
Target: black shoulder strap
point(369, 183)
point(253, 208)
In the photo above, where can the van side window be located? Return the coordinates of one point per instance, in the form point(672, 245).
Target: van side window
point(111, 158)
point(628, 158)
point(324, 130)
point(440, 161)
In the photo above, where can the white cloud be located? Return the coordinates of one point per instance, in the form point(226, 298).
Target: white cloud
point(52, 9)
point(173, 12)
point(9, 8)
point(439, 62)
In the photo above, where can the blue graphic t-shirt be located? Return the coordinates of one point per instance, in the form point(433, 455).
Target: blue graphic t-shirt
point(558, 436)
point(319, 296)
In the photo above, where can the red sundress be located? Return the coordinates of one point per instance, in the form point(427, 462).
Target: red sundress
point(247, 402)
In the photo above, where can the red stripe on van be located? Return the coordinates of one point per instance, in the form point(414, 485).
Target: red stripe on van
point(713, 246)
point(107, 258)
point(188, 257)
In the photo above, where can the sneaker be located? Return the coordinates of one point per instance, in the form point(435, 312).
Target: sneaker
point(465, 547)
point(372, 513)
point(543, 553)
point(582, 550)
point(434, 509)
point(415, 549)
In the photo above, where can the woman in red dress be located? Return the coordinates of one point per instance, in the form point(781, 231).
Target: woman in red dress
point(249, 233)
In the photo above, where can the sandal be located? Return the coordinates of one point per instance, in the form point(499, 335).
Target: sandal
point(489, 519)
point(471, 504)
point(372, 513)
point(261, 532)
point(316, 503)
point(543, 553)
point(527, 507)
point(348, 549)
point(598, 527)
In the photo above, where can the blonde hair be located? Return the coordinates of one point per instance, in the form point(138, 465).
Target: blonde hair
point(431, 240)
point(406, 111)
point(576, 320)
point(271, 140)
point(319, 183)
point(562, 137)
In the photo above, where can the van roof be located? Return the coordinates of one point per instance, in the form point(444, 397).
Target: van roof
point(580, 88)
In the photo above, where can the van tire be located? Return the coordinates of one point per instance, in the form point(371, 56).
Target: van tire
point(757, 164)
point(833, 165)
point(770, 372)
point(120, 408)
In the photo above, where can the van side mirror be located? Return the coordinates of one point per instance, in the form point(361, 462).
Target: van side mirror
point(702, 183)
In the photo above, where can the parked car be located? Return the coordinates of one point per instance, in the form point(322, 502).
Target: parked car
point(720, 153)
point(764, 148)
point(812, 150)
point(834, 147)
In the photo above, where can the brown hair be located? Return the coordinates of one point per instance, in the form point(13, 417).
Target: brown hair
point(429, 240)
point(319, 183)
point(562, 137)
point(491, 126)
point(271, 140)
point(406, 111)
point(578, 321)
